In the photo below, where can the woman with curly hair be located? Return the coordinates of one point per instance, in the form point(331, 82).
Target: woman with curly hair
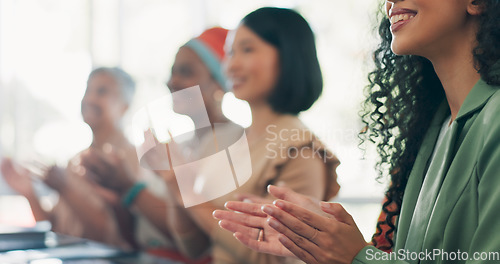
point(433, 111)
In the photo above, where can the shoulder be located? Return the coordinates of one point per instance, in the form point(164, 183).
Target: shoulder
point(489, 117)
point(290, 134)
point(289, 131)
point(491, 111)
point(300, 150)
point(489, 133)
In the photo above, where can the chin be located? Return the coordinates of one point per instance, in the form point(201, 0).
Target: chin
point(242, 93)
point(91, 123)
point(401, 49)
point(239, 94)
point(245, 98)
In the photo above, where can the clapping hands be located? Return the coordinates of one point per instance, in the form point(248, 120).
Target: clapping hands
point(322, 233)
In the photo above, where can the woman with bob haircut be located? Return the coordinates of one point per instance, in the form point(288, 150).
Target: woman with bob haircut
point(434, 111)
point(272, 64)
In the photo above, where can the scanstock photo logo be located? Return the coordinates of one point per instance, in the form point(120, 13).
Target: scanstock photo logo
point(208, 160)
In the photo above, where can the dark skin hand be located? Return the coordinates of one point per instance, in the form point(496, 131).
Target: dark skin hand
point(111, 171)
point(108, 170)
point(55, 178)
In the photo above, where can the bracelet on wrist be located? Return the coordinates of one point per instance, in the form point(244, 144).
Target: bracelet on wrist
point(132, 193)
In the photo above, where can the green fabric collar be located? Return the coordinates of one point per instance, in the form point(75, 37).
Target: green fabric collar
point(476, 98)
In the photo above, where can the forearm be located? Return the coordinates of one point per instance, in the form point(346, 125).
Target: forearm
point(126, 224)
point(202, 216)
point(94, 216)
point(36, 208)
point(185, 219)
point(154, 209)
point(190, 239)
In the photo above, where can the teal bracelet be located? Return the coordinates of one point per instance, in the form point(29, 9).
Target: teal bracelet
point(132, 193)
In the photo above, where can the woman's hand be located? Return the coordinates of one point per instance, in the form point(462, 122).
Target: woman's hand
point(249, 225)
point(108, 170)
point(157, 157)
point(246, 220)
point(56, 178)
point(17, 178)
point(250, 198)
point(322, 233)
point(330, 236)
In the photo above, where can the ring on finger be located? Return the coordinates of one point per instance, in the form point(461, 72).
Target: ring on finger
point(260, 235)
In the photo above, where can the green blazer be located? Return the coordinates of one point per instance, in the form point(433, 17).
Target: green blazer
point(463, 223)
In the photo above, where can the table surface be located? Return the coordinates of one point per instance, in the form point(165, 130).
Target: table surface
point(38, 247)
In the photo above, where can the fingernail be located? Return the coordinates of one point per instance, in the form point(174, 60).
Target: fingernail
point(267, 209)
point(281, 184)
point(279, 204)
point(325, 205)
point(225, 205)
point(282, 239)
point(246, 200)
point(273, 223)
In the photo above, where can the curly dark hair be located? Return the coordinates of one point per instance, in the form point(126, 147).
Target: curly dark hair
point(404, 92)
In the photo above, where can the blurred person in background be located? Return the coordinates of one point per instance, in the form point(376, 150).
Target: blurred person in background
point(198, 62)
point(271, 64)
point(85, 209)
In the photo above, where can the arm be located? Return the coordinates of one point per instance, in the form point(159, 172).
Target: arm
point(126, 224)
point(113, 174)
point(485, 238)
point(95, 216)
point(190, 238)
point(36, 208)
point(154, 209)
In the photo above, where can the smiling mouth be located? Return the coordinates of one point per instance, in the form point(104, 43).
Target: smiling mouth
point(402, 17)
point(238, 81)
point(91, 109)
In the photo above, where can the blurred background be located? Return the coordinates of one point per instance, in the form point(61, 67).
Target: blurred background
point(48, 48)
